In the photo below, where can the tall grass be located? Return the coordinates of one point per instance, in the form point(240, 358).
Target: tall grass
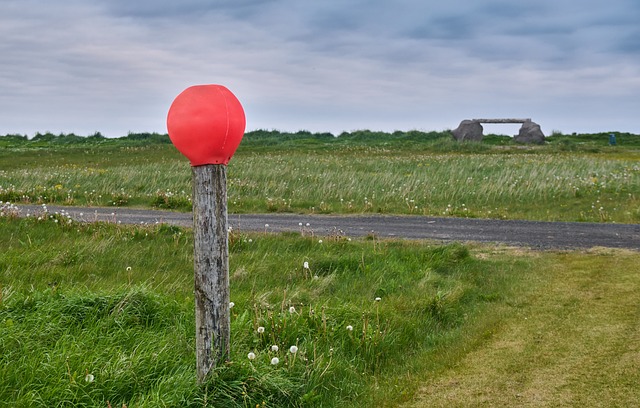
point(97, 313)
point(537, 185)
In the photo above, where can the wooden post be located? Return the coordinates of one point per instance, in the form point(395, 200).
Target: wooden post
point(211, 264)
point(206, 124)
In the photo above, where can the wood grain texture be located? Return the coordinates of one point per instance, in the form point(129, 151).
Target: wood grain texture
point(211, 267)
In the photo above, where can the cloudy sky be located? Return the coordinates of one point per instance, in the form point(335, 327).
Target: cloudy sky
point(115, 66)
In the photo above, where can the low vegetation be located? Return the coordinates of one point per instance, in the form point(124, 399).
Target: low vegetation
point(571, 342)
point(572, 178)
point(103, 314)
point(97, 313)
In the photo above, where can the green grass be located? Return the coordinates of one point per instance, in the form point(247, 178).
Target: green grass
point(91, 313)
point(99, 313)
point(116, 303)
point(362, 172)
point(572, 341)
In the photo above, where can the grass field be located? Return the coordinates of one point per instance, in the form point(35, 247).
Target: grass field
point(91, 313)
point(565, 180)
point(571, 342)
point(99, 314)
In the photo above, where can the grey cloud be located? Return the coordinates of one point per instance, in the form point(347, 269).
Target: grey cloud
point(143, 9)
point(629, 44)
point(115, 65)
point(454, 27)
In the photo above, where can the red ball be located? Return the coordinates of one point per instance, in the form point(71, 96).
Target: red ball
point(206, 124)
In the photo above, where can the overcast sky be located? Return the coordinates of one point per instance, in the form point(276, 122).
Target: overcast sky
point(115, 66)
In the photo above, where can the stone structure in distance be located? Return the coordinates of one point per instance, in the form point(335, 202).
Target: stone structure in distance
point(530, 131)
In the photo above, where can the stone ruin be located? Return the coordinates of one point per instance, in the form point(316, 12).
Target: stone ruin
point(530, 132)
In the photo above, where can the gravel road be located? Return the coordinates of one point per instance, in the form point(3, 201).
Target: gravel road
point(533, 234)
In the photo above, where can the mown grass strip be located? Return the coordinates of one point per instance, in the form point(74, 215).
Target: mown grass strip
point(571, 341)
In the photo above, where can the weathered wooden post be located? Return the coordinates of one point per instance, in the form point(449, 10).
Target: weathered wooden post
point(206, 124)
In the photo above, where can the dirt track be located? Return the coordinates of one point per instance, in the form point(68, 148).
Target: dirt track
point(533, 234)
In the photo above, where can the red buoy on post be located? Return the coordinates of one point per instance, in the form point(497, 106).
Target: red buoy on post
point(206, 124)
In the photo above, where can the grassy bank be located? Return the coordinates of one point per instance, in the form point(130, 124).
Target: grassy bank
point(97, 313)
point(101, 313)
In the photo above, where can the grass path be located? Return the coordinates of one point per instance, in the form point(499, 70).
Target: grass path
point(572, 340)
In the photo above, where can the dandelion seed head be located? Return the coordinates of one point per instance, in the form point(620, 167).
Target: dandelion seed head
point(128, 268)
point(89, 377)
point(275, 361)
point(260, 329)
point(305, 265)
point(231, 305)
point(293, 349)
point(292, 309)
point(251, 356)
point(378, 299)
point(275, 348)
point(350, 327)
